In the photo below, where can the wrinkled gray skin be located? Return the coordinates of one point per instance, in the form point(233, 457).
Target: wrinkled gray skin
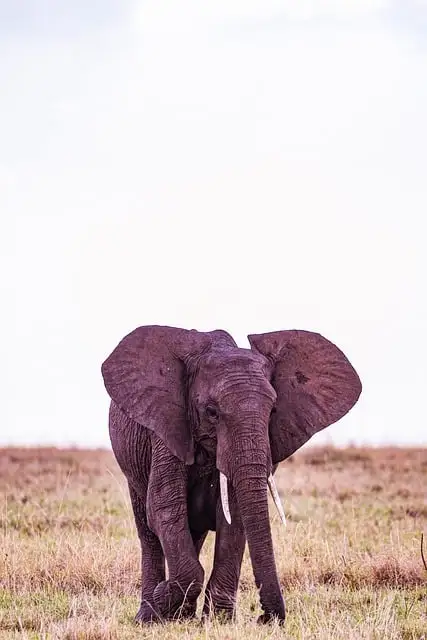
point(186, 405)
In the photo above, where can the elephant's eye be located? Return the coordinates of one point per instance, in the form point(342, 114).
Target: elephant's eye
point(212, 413)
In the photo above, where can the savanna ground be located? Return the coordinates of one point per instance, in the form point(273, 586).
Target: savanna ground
point(349, 560)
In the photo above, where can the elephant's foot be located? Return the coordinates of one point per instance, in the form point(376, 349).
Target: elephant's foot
point(187, 611)
point(174, 602)
point(220, 607)
point(147, 614)
point(277, 614)
point(219, 613)
point(267, 618)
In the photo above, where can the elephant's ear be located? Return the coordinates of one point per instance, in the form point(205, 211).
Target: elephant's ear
point(146, 377)
point(315, 385)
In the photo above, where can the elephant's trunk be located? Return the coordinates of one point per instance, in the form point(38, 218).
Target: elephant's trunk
point(250, 486)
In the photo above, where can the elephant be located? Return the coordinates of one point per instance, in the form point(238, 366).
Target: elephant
point(198, 426)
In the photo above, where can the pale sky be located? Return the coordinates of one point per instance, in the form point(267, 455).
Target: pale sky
point(251, 165)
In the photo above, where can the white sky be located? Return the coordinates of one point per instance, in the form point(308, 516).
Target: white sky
point(251, 165)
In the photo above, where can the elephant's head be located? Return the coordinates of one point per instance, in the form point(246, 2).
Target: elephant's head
point(251, 408)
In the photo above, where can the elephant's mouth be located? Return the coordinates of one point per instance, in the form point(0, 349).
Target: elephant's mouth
point(223, 483)
point(205, 451)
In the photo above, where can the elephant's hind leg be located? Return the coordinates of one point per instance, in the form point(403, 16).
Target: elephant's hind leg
point(221, 590)
point(152, 560)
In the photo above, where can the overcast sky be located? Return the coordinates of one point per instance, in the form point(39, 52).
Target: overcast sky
point(251, 165)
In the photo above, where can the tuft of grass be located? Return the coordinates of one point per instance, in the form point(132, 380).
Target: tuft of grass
point(349, 560)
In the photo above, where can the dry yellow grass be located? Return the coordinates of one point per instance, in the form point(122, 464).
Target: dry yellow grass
point(349, 560)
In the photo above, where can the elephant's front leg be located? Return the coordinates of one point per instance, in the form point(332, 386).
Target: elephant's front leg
point(221, 590)
point(168, 518)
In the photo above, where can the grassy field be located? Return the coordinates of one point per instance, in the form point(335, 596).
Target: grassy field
point(349, 560)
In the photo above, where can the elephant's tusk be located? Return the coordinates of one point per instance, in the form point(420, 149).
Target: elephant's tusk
point(224, 496)
point(276, 498)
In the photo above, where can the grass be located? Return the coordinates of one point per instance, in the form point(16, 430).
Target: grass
point(349, 560)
